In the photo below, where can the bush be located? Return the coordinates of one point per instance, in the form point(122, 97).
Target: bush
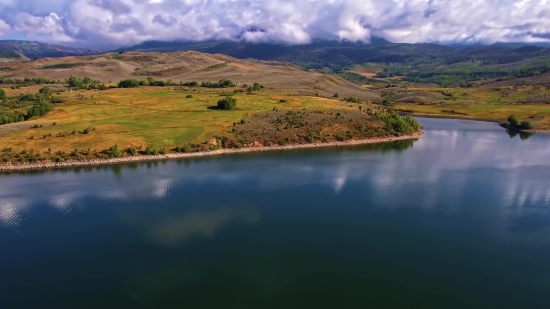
point(525, 124)
point(2, 94)
point(189, 96)
point(228, 103)
point(115, 152)
point(513, 120)
point(128, 83)
point(190, 84)
point(132, 151)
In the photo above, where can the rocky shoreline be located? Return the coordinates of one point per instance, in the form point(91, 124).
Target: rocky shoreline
point(96, 162)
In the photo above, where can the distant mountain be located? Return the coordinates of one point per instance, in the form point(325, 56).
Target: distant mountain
point(34, 50)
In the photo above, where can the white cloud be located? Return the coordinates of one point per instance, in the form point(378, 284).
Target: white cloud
point(124, 22)
point(4, 28)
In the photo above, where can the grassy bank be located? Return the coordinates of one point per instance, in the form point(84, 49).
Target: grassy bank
point(490, 104)
point(162, 120)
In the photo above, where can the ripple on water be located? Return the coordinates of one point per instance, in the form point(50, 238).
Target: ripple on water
point(13, 212)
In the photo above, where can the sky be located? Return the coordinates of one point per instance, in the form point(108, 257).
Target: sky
point(118, 23)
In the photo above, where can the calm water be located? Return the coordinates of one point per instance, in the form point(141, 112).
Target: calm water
point(458, 219)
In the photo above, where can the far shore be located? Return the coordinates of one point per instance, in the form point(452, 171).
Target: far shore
point(96, 162)
point(461, 117)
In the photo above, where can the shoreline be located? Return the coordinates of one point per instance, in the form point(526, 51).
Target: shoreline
point(170, 156)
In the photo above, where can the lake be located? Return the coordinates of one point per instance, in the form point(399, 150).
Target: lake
point(459, 218)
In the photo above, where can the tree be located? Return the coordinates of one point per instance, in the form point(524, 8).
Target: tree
point(115, 152)
point(525, 124)
point(75, 82)
point(128, 83)
point(47, 92)
point(513, 120)
point(150, 81)
point(228, 103)
point(257, 87)
point(2, 94)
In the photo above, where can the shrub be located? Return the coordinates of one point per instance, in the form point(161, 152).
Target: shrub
point(228, 103)
point(190, 84)
point(513, 120)
point(128, 83)
point(115, 152)
point(189, 96)
point(148, 151)
point(162, 151)
point(132, 151)
point(526, 124)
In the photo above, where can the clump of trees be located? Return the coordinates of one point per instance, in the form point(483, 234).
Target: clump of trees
point(28, 81)
point(227, 103)
point(223, 83)
point(400, 125)
point(82, 83)
point(254, 88)
point(189, 84)
point(524, 124)
point(128, 83)
point(36, 105)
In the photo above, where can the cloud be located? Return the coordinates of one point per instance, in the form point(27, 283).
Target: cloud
point(4, 28)
point(126, 22)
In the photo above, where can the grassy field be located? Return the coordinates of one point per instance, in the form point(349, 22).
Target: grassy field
point(494, 104)
point(157, 117)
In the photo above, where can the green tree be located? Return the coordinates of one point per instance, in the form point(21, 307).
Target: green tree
point(257, 87)
point(115, 152)
point(525, 124)
point(75, 82)
point(47, 92)
point(128, 83)
point(513, 120)
point(228, 103)
point(2, 94)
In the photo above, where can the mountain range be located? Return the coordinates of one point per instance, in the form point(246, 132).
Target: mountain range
point(422, 63)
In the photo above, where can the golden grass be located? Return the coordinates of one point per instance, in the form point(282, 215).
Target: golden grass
point(159, 117)
point(494, 104)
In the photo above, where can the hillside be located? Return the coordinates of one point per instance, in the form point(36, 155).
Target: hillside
point(35, 50)
point(187, 66)
point(420, 63)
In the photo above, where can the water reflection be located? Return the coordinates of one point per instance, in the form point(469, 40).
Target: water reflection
point(436, 173)
point(522, 135)
point(267, 222)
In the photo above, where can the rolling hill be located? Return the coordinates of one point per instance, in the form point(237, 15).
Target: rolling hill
point(34, 50)
point(419, 63)
point(188, 66)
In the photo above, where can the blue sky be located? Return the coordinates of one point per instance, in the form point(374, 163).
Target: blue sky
point(112, 23)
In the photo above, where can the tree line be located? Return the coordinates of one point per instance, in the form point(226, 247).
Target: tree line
point(36, 105)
